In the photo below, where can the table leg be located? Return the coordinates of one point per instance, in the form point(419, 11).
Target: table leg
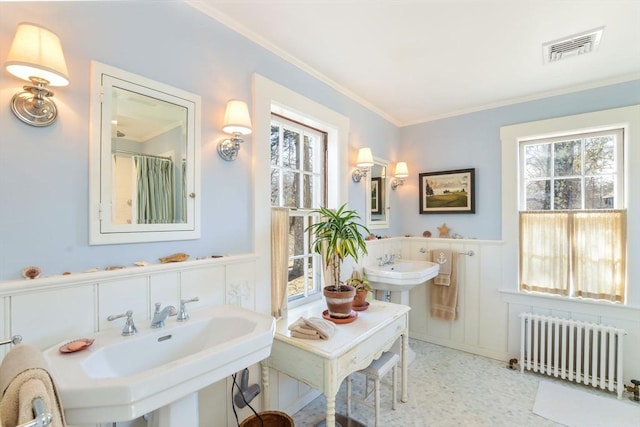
point(405, 366)
point(331, 411)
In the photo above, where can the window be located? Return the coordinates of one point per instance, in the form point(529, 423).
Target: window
point(298, 158)
point(572, 225)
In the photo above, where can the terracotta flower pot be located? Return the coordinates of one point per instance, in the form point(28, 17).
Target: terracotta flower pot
point(339, 300)
point(360, 300)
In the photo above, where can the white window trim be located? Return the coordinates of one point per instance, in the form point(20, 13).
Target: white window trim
point(270, 97)
point(627, 118)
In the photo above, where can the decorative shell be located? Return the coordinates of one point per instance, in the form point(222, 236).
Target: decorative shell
point(31, 272)
point(178, 257)
point(141, 263)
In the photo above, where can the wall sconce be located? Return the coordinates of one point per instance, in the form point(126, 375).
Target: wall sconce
point(36, 55)
point(363, 163)
point(402, 172)
point(238, 123)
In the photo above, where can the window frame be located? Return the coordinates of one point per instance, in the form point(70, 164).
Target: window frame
point(270, 97)
point(318, 174)
point(627, 118)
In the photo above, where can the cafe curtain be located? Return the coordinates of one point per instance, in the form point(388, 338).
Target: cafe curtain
point(574, 253)
point(279, 260)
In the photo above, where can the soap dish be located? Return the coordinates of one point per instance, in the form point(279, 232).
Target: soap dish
point(76, 345)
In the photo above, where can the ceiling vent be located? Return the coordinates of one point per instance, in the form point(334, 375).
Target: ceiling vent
point(567, 47)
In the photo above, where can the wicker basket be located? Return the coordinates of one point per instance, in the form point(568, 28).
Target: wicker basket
point(269, 419)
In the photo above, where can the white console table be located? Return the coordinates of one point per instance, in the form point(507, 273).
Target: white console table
point(324, 364)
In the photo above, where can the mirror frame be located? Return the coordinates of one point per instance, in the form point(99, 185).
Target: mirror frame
point(101, 230)
point(371, 224)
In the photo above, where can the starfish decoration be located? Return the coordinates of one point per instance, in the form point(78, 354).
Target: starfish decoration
point(444, 230)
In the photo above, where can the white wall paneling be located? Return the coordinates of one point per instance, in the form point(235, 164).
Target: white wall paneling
point(488, 322)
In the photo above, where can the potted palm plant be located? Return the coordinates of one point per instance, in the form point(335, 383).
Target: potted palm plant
point(338, 234)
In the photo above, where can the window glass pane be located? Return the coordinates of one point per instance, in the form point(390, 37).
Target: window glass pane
point(599, 155)
point(538, 195)
point(567, 158)
point(296, 283)
point(599, 193)
point(275, 137)
point(538, 161)
point(567, 194)
point(275, 187)
point(312, 287)
point(290, 188)
point(307, 194)
point(290, 144)
point(307, 165)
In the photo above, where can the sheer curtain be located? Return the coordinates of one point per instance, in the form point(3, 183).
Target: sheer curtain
point(155, 190)
point(600, 255)
point(279, 260)
point(545, 252)
point(574, 253)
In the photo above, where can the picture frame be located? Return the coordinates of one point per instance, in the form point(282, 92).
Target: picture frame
point(376, 195)
point(451, 191)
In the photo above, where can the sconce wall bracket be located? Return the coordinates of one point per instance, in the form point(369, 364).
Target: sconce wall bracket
point(228, 148)
point(33, 106)
point(396, 183)
point(358, 174)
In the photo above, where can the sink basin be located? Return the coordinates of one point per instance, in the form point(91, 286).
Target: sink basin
point(401, 276)
point(122, 378)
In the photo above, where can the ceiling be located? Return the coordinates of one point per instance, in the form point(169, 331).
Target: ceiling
point(418, 60)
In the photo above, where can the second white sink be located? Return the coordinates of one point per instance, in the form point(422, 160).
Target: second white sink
point(401, 276)
point(122, 378)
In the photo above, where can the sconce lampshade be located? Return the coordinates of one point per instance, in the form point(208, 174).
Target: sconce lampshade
point(37, 52)
point(236, 118)
point(365, 158)
point(402, 171)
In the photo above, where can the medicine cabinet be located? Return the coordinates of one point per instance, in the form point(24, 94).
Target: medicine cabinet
point(144, 159)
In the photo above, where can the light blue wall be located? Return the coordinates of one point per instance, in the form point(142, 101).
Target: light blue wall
point(473, 141)
point(44, 171)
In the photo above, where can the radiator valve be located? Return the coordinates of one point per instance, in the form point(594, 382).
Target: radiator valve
point(513, 363)
point(635, 389)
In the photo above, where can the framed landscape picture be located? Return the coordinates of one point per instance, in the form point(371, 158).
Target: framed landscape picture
point(448, 191)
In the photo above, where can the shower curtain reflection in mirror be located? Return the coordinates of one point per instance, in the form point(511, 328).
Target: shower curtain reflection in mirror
point(145, 190)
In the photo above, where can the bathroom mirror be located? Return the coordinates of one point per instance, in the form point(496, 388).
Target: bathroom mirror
point(377, 195)
point(144, 159)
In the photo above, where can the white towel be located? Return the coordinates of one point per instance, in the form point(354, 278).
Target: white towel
point(312, 328)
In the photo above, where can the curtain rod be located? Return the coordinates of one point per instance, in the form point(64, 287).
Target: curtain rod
point(133, 153)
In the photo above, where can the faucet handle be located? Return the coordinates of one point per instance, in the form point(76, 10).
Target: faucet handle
point(129, 326)
point(182, 314)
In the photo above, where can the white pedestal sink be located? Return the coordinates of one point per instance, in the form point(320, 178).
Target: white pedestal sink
point(400, 278)
point(122, 378)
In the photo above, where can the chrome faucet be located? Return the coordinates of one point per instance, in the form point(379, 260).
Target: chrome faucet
point(183, 316)
point(388, 259)
point(159, 316)
point(129, 327)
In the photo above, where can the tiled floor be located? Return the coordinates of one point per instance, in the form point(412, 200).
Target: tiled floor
point(447, 388)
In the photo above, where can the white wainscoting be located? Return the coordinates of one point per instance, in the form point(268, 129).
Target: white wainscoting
point(481, 327)
point(51, 310)
point(488, 322)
